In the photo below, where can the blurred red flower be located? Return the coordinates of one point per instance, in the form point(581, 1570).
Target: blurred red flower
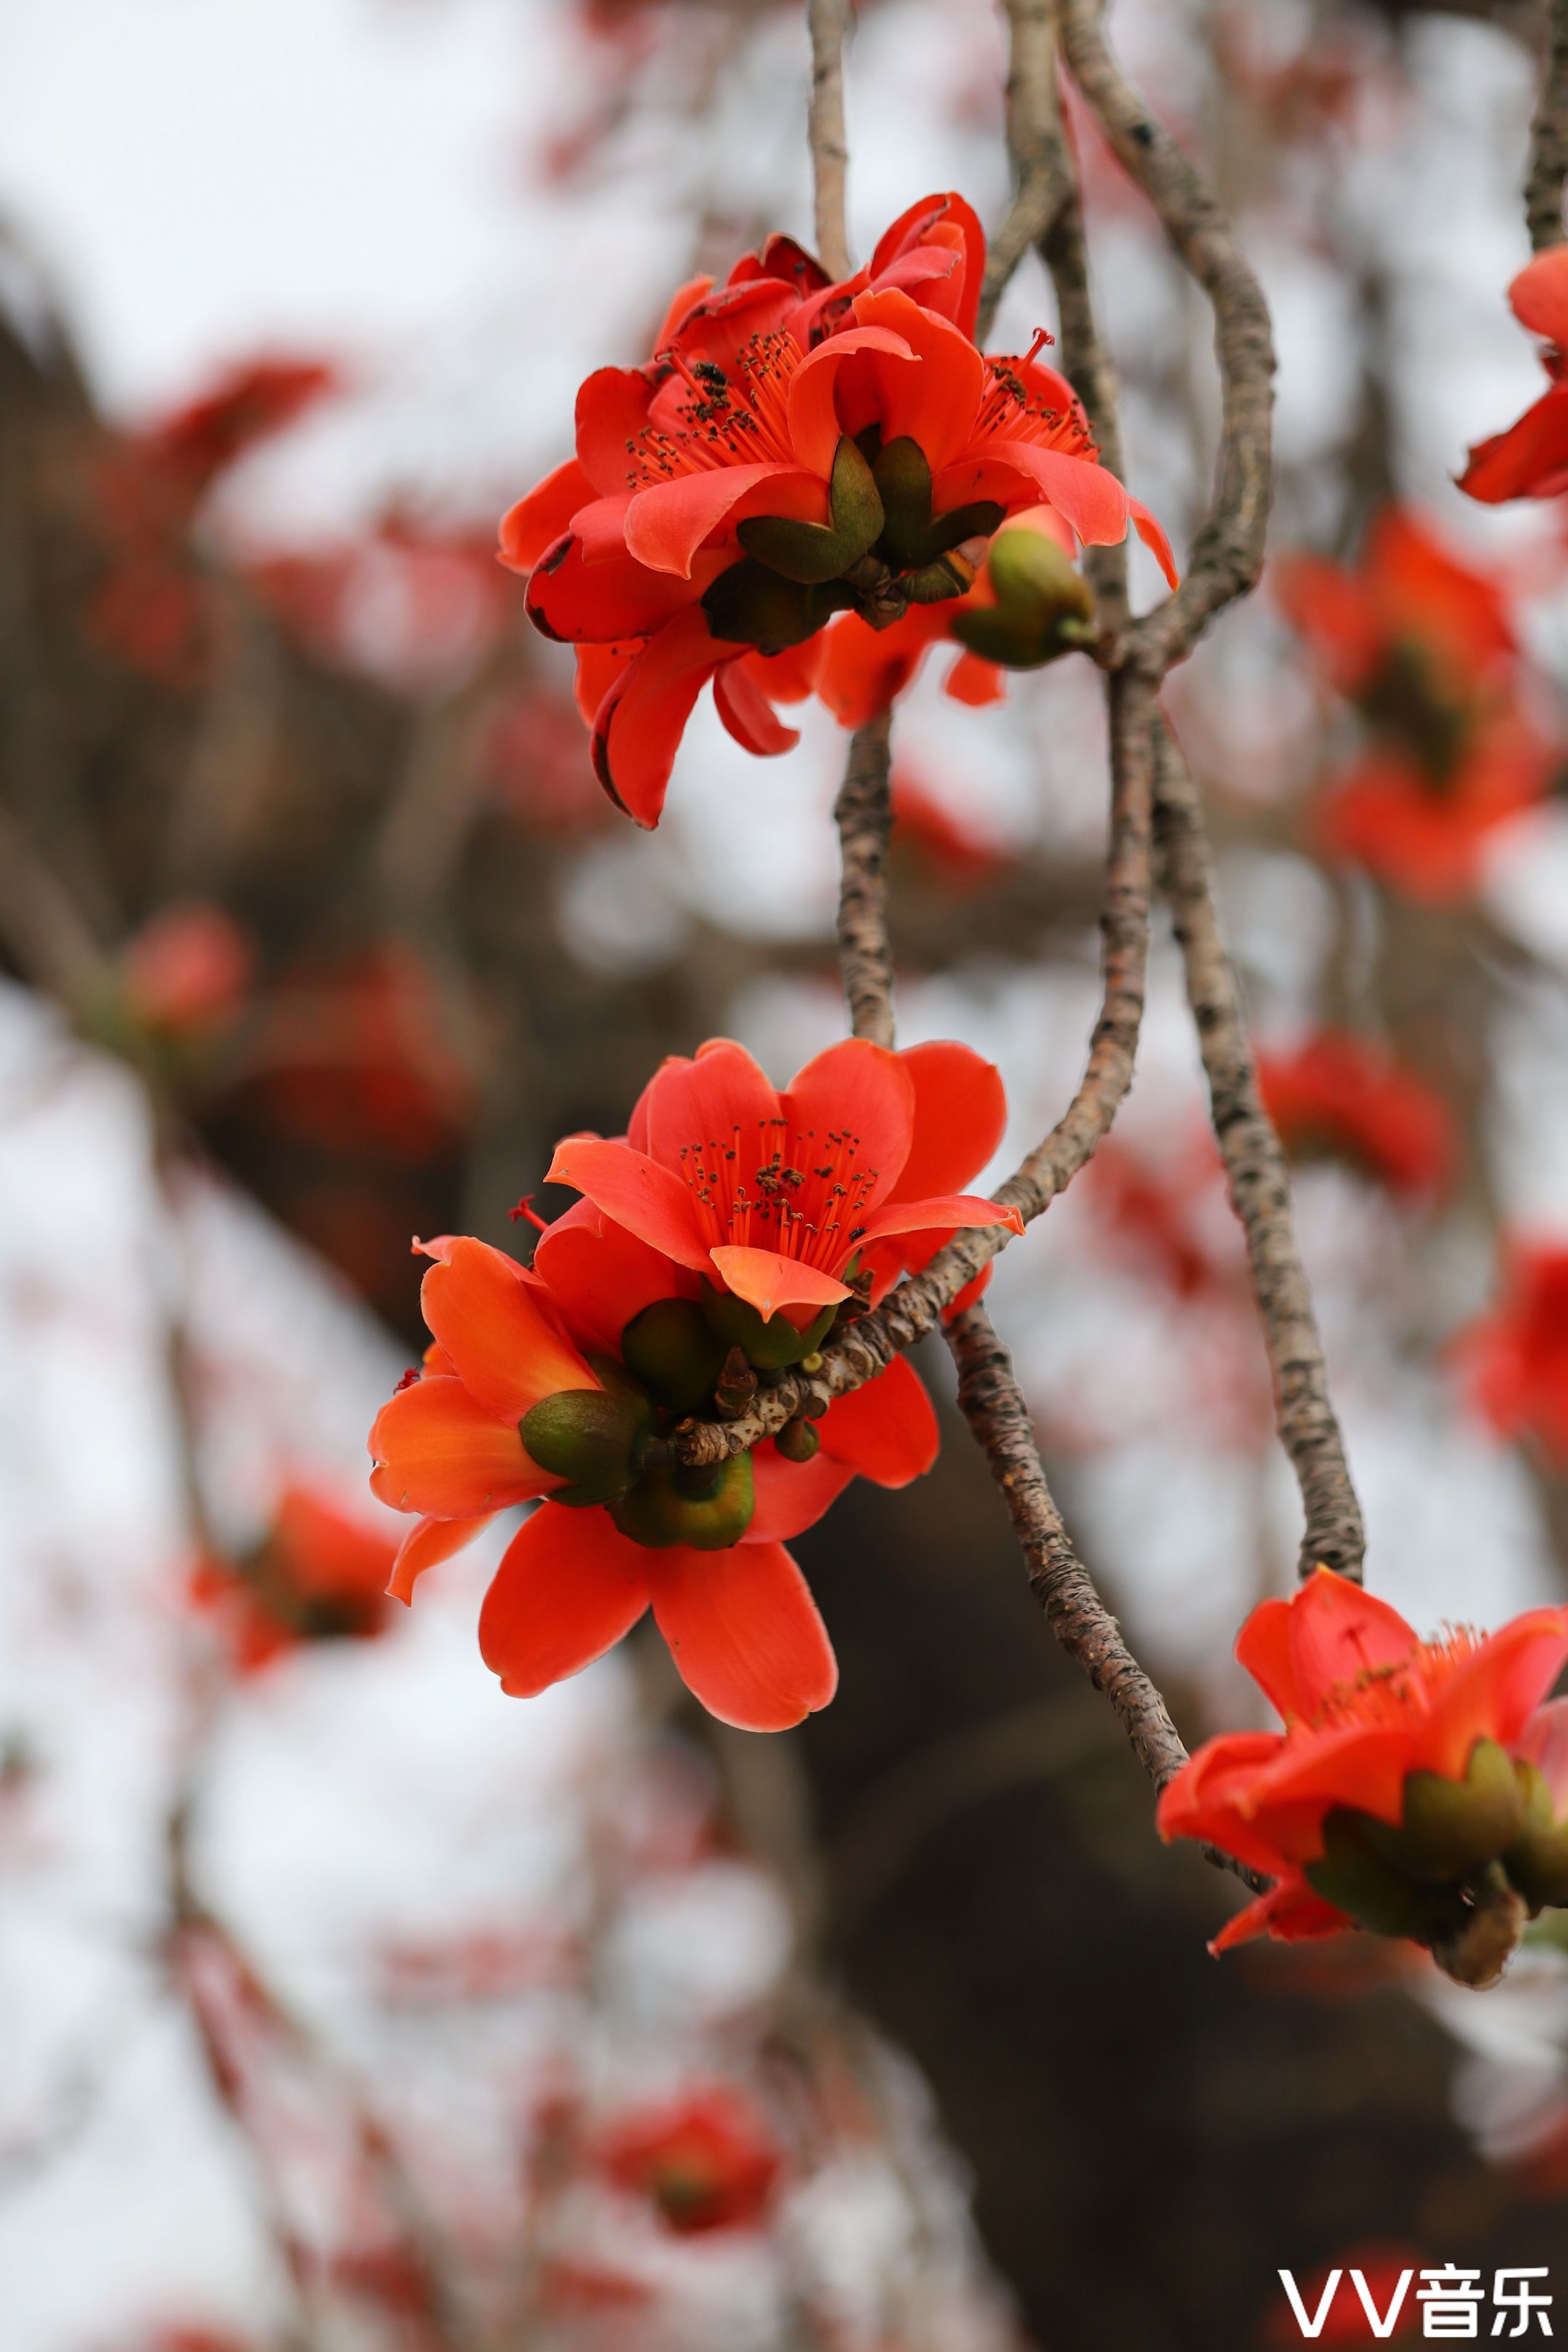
point(1422, 645)
point(651, 1300)
point(415, 607)
point(1340, 1094)
point(797, 447)
point(704, 2162)
point(1531, 459)
point(185, 974)
point(1515, 1360)
point(957, 855)
point(1393, 1782)
point(317, 1575)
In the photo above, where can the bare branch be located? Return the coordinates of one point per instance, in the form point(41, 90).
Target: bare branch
point(829, 21)
point(864, 816)
point(1227, 553)
point(1548, 139)
point(1257, 1177)
point(915, 1308)
point(1042, 182)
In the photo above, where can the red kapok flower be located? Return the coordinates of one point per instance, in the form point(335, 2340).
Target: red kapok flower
point(1423, 646)
point(1515, 1359)
point(1338, 1093)
point(793, 449)
point(705, 2161)
point(1393, 1798)
point(1531, 459)
point(317, 1575)
point(185, 973)
point(781, 1198)
point(564, 1381)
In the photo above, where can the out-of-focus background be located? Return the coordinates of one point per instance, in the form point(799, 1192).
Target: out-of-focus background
point(344, 2001)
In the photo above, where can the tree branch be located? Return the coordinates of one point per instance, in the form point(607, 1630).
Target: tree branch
point(1227, 553)
point(1042, 184)
point(828, 22)
point(864, 816)
point(1257, 1177)
point(1548, 139)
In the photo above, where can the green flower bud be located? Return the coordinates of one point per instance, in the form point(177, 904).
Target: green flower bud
point(709, 1509)
point(1355, 1877)
point(591, 1437)
point(769, 1345)
point(1043, 609)
point(797, 1440)
point(1538, 1861)
point(814, 552)
point(911, 537)
point(1450, 1828)
point(750, 605)
point(673, 1353)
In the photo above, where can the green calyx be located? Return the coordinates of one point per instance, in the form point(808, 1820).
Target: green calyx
point(597, 1439)
point(1537, 1862)
point(674, 1353)
point(750, 605)
point(812, 553)
point(913, 539)
point(1044, 607)
point(1353, 1875)
point(709, 1509)
point(768, 1345)
point(1450, 1828)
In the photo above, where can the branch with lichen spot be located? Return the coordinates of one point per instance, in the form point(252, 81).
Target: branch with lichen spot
point(868, 1347)
point(1258, 1176)
point(864, 816)
point(1548, 139)
point(829, 21)
point(1227, 553)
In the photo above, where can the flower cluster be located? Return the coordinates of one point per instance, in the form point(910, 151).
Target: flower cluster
point(1423, 647)
point(1415, 1784)
point(317, 1575)
point(719, 1240)
point(1341, 1097)
point(796, 450)
point(1515, 1359)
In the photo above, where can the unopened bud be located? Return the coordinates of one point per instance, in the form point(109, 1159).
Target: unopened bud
point(673, 1353)
point(591, 1438)
point(1044, 606)
point(797, 1440)
point(663, 1509)
point(735, 1387)
point(768, 1345)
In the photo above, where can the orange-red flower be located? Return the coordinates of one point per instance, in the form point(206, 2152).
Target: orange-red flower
point(1531, 459)
point(1341, 1096)
point(705, 2161)
point(793, 449)
point(713, 1245)
point(185, 974)
point(1398, 1783)
point(317, 1575)
point(1515, 1359)
point(1424, 647)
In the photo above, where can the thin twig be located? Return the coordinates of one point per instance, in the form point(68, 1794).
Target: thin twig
point(915, 1308)
point(1227, 553)
point(864, 816)
point(829, 21)
point(1548, 139)
point(1258, 1176)
point(1042, 184)
point(992, 1404)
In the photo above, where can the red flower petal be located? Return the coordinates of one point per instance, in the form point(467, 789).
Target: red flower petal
point(866, 1090)
point(974, 681)
point(438, 1452)
point(569, 1586)
point(744, 1633)
point(667, 523)
point(770, 1282)
point(496, 1331)
point(934, 404)
point(791, 1495)
point(426, 1545)
point(961, 1112)
point(715, 1097)
point(602, 1275)
point(1495, 1693)
point(1539, 295)
point(748, 715)
point(1529, 461)
point(1154, 538)
point(638, 727)
point(1292, 1912)
point(864, 669)
point(945, 1214)
point(941, 225)
point(609, 601)
point(538, 520)
point(612, 409)
point(649, 1200)
point(1338, 1633)
point(813, 421)
point(1544, 1744)
point(887, 1430)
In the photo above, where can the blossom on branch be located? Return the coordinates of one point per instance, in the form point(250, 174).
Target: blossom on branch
point(1531, 459)
point(795, 448)
point(317, 1575)
point(1341, 1097)
point(722, 1240)
point(1515, 1359)
point(1418, 1788)
point(704, 2162)
point(1423, 647)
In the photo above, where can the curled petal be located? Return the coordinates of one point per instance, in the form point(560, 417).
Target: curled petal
point(1292, 1912)
point(537, 521)
point(438, 1452)
point(791, 1495)
point(1538, 296)
point(667, 522)
point(638, 726)
point(886, 1431)
point(771, 1282)
point(949, 1213)
point(748, 715)
point(1154, 538)
point(813, 425)
point(426, 1545)
point(497, 1331)
point(1495, 1694)
point(649, 1200)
